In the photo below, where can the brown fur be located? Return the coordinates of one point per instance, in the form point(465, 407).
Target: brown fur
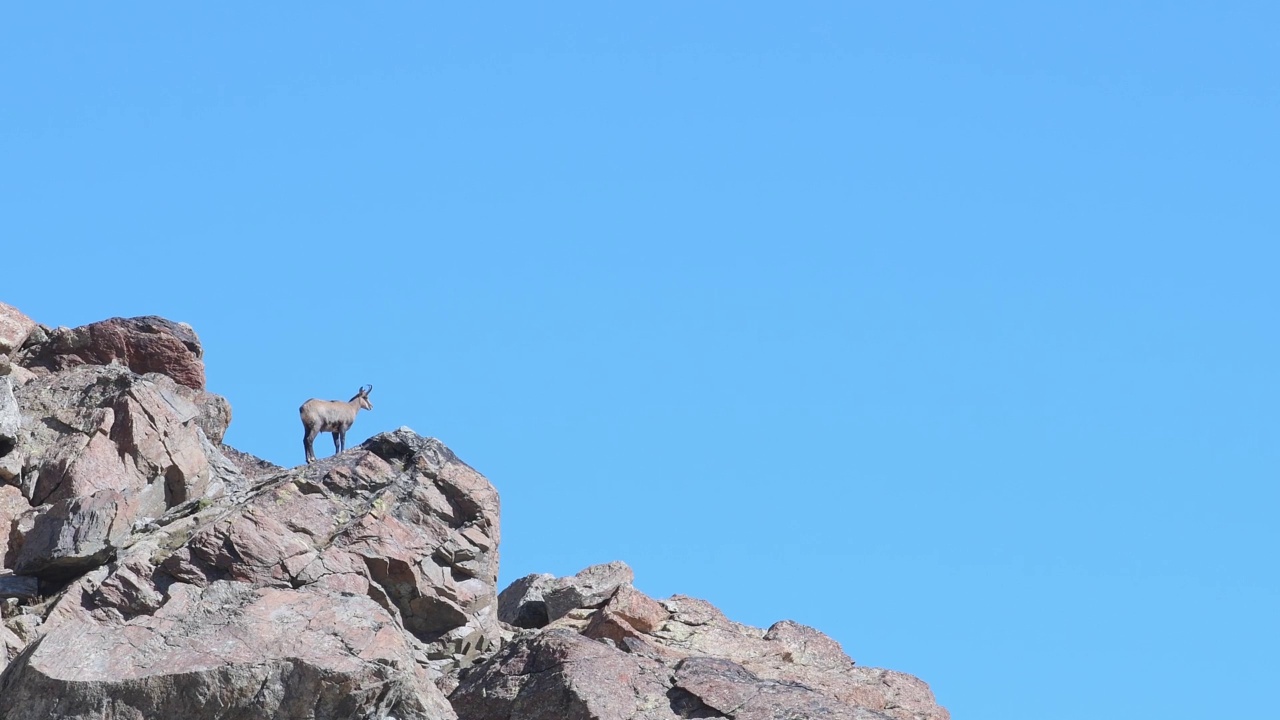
point(331, 416)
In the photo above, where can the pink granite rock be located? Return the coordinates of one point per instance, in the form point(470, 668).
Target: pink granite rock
point(344, 588)
point(225, 650)
point(142, 344)
point(161, 574)
point(635, 657)
point(14, 329)
point(101, 449)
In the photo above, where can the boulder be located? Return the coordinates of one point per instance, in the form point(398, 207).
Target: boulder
point(521, 604)
point(225, 650)
point(101, 449)
point(15, 328)
point(12, 506)
point(10, 423)
point(628, 614)
point(590, 588)
point(17, 631)
point(142, 344)
point(344, 588)
point(722, 688)
point(10, 646)
point(400, 519)
point(62, 540)
point(558, 674)
point(636, 657)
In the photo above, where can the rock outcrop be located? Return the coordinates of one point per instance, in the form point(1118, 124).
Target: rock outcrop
point(15, 328)
point(148, 570)
point(143, 344)
point(101, 448)
point(631, 656)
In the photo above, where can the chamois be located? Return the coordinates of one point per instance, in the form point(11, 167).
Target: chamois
point(331, 416)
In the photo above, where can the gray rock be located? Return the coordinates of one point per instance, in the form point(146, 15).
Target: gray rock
point(142, 344)
point(71, 536)
point(590, 588)
point(557, 674)
point(101, 448)
point(12, 507)
point(15, 328)
point(521, 604)
point(10, 418)
point(317, 594)
point(188, 579)
point(724, 688)
point(243, 652)
point(635, 657)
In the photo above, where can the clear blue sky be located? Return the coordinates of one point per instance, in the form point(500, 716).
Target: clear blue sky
point(947, 328)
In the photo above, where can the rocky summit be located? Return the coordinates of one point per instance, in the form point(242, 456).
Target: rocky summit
point(151, 571)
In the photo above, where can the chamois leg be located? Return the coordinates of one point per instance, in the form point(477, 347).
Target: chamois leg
point(337, 442)
point(308, 437)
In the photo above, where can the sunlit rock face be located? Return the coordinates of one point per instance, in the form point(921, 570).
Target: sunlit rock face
point(99, 449)
point(142, 344)
point(622, 654)
point(145, 565)
point(149, 571)
point(226, 649)
point(344, 588)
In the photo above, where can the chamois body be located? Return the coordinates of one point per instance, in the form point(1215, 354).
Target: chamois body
point(331, 416)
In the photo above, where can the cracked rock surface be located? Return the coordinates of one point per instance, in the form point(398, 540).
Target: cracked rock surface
point(630, 656)
point(224, 650)
point(150, 571)
point(147, 570)
point(334, 590)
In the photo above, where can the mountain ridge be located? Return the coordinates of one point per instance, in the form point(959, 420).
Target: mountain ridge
point(175, 575)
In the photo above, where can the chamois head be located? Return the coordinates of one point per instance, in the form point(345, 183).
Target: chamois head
point(363, 397)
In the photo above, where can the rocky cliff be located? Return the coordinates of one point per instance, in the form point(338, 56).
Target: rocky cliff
point(150, 571)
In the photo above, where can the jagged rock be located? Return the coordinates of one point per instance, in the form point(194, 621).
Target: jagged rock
point(14, 329)
point(636, 657)
point(253, 468)
point(213, 412)
point(10, 415)
point(16, 633)
point(129, 589)
point(71, 536)
point(588, 589)
point(793, 653)
point(723, 688)
point(521, 604)
point(142, 344)
point(284, 574)
point(164, 574)
point(400, 519)
point(10, 646)
point(10, 422)
point(326, 586)
point(557, 674)
point(226, 650)
point(628, 614)
point(12, 507)
point(100, 449)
